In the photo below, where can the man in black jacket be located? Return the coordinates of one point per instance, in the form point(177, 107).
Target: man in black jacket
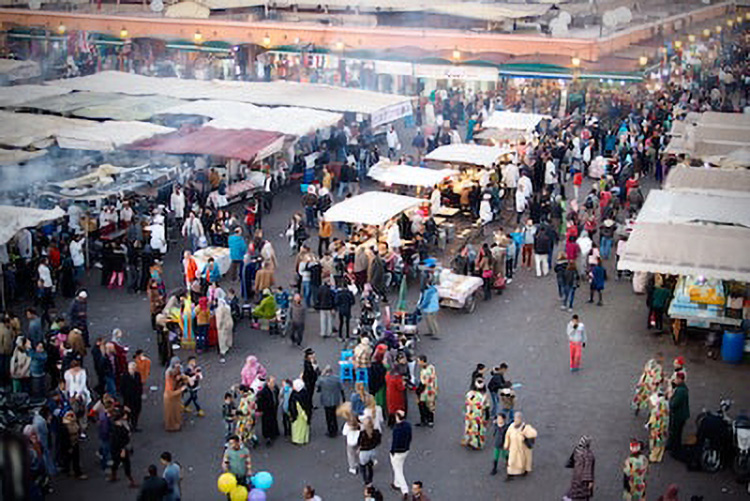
point(344, 301)
point(400, 444)
point(331, 395)
point(497, 383)
point(324, 304)
point(153, 488)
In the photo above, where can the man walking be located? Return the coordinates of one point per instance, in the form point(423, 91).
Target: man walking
point(331, 395)
point(400, 443)
point(172, 475)
point(577, 341)
point(679, 412)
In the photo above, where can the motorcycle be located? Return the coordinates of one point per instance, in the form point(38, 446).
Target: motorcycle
point(715, 438)
point(741, 435)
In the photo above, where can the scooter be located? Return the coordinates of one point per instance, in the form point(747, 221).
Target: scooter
point(741, 435)
point(715, 437)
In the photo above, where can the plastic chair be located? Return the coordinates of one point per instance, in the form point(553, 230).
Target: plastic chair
point(346, 366)
point(362, 376)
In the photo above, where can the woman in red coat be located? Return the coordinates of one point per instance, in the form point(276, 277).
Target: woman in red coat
point(395, 394)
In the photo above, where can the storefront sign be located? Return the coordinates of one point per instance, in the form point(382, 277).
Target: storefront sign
point(394, 68)
point(391, 113)
point(451, 72)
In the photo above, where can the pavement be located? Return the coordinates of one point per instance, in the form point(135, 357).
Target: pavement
point(523, 327)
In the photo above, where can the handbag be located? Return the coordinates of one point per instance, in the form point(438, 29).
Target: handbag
point(529, 442)
point(487, 274)
point(570, 463)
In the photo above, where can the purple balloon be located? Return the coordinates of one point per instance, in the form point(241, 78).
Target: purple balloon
point(257, 495)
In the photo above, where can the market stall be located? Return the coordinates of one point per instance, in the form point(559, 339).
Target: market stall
point(390, 174)
point(373, 208)
point(220, 255)
point(508, 120)
point(467, 154)
point(458, 291)
point(722, 182)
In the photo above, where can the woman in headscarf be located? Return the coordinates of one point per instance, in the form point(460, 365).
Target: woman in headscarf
point(634, 473)
point(173, 388)
point(395, 394)
point(582, 462)
point(225, 328)
point(519, 439)
point(658, 421)
point(299, 411)
point(252, 371)
point(246, 415)
point(476, 415)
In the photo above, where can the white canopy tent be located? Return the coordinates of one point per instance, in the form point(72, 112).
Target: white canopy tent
point(20, 130)
point(685, 207)
point(234, 115)
point(514, 121)
point(474, 154)
point(17, 95)
point(12, 70)
point(389, 173)
point(372, 208)
point(13, 219)
point(382, 108)
point(713, 251)
point(107, 136)
point(724, 182)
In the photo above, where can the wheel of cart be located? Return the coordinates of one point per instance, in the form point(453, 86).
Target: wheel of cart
point(471, 302)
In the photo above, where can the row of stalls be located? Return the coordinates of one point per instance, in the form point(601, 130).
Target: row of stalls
point(691, 242)
point(713, 138)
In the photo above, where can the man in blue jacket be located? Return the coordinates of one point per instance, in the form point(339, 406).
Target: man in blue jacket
point(429, 305)
point(237, 249)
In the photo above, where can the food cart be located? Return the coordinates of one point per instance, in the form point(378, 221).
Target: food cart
point(220, 255)
point(458, 291)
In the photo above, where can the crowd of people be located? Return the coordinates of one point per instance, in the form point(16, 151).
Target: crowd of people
point(538, 226)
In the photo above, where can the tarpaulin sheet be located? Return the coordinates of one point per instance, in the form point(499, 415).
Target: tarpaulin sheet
point(11, 157)
point(491, 11)
point(67, 103)
point(13, 219)
point(688, 249)
point(245, 144)
point(514, 121)
point(278, 93)
point(406, 175)
point(16, 95)
point(371, 208)
point(128, 108)
point(682, 207)
point(701, 180)
point(107, 136)
point(20, 130)
point(13, 70)
point(473, 154)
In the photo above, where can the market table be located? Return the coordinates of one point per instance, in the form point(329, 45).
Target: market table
point(448, 211)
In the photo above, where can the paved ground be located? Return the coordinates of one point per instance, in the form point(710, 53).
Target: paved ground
point(523, 327)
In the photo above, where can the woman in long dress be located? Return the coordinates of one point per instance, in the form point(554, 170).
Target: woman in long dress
point(650, 380)
point(582, 462)
point(246, 416)
point(476, 415)
point(252, 371)
point(517, 440)
point(300, 413)
point(225, 326)
point(173, 388)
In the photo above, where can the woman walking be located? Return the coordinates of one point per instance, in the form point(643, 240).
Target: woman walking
point(369, 440)
point(299, 411)
point(351, 433)
point(657, 426)
point(476, 415)
point(519, 440)
point(174, 386)
point(582, 463)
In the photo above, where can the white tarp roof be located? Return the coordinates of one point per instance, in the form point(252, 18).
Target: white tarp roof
point(128, 108)
point(187, 10)
point(719, 252)
point(20, 130)
point(473, 154)
point(17, 95)
point(514, 121)
point(279, 93)
point(233, 115)
point(490, 11)
point(13, 70)
point(389, 173)
point(737, 159)
point(13, 219)
point(11, 157)
point(106, 136)
point(371, 208)
point(723, 182)
point(683, 208)
point(67, 103)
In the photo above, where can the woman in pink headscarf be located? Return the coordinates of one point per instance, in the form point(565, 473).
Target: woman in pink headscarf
point(252, 372)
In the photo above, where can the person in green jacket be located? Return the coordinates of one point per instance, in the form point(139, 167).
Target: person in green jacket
point(267, 307)
point(679, 412)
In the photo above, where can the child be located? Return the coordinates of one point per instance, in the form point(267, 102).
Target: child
point(194, 374)
point(286, 392)
point(282, 298)
point(143, 365)
point(234, 305)
point(228, 413)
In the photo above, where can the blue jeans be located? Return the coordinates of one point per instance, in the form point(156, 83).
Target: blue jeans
point(192, 397)
point(605, 246)
point(343, 187)
point(306, 293)
point(201, 336)
point(310, 214)
point(105, 454)
point(561, 292)
point(570, 294)
point(110, 386)
point(495, 401)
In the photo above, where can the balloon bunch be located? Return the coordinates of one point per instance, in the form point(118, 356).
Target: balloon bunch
point(227, 484)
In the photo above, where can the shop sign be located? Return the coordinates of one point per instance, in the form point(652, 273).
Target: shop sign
point(455, 72)
point(391, 113)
